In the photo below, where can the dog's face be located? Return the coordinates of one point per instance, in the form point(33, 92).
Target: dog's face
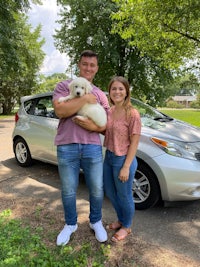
point(79, 87)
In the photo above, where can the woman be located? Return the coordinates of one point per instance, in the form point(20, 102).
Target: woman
point(121, 141)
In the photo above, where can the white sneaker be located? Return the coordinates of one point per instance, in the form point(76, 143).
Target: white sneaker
point(64, 236)
point(100, 232)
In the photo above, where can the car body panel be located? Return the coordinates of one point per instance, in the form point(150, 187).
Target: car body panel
point(177, 183)
point(178, 177)
point(181, 131)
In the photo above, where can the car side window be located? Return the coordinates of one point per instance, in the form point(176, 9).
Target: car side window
point(29, 106)
point(42, 107)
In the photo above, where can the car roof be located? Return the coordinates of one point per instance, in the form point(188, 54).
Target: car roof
point(28, 97)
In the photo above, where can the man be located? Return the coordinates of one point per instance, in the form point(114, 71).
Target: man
point(79, 146)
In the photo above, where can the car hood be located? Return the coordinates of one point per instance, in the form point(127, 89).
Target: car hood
point(173, 129)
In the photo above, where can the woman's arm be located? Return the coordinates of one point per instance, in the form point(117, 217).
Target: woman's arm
point(124, 172)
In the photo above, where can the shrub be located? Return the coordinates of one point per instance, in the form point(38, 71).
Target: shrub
point(195, 104)
point(174, 104)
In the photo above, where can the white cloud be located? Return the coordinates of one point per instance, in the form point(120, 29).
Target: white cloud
point(54, 62)
point(46, 15)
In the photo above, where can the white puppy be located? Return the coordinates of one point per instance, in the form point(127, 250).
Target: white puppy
point(78, 87)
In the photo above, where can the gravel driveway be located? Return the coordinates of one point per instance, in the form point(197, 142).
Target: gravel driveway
point(173, 231)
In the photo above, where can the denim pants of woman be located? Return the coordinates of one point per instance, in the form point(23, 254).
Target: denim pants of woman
point(71, 158)
point(119, 193)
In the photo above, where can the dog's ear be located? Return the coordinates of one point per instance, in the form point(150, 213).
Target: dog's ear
point(71, 85)
point(88, 87)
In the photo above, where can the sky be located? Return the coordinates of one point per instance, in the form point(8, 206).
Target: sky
point(46, 15)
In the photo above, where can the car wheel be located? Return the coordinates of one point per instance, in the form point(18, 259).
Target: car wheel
point(22, 153)
point(146, 190)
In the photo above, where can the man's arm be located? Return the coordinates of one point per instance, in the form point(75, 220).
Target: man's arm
point(71, 107)
point(89, 125)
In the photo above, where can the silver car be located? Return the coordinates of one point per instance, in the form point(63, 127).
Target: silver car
point(168, 153)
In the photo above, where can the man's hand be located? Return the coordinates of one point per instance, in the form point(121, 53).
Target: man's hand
point(87, 124)
point(90, 98)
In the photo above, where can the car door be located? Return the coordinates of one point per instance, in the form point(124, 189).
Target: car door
point(42, 129)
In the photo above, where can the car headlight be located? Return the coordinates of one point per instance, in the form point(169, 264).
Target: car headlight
point(179, 149)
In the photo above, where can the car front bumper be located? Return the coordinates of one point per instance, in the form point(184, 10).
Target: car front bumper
point(179, 178)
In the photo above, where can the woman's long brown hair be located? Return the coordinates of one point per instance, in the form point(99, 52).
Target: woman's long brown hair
point(127, 102)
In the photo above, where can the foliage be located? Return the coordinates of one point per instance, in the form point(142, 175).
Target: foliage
point(195, 104)
point(198, 98)
point(188, 85)
point(174, 104)
point(23, 246)
point(168, 31)
point(9, 31)
point(20, 55)
point(90, 28)
point(187, 115)
point(47, 84)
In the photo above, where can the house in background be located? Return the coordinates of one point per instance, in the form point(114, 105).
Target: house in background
point(184, 100)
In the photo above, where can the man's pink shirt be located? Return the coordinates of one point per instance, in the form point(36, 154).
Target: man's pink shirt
point(68, 132)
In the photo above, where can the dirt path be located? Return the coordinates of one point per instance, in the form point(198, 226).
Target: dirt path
point(161, 236)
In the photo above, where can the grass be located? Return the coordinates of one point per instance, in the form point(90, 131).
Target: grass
point(2, 117)
point(22, 246)
point(191, 116)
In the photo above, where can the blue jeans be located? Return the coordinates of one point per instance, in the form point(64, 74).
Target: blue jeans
point(71, 158)
point(120, 194)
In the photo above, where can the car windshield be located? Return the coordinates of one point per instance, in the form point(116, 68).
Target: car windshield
point(150, 116)
point(148, 111)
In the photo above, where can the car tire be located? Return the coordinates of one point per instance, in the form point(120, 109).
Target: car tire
point(146, 190)
point(22, 153)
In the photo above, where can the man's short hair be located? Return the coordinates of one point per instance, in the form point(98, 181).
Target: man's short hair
point(89, 53)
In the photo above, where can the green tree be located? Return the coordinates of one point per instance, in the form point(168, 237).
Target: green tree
point(20, 54)
point(87, 25)
point(47, 84)
point(198, 99)
point(9, 30)
point(187, 84)
point(166, 30)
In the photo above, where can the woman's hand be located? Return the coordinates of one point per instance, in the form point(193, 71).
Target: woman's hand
point(85, 123)
point(124, 174)
point(88, 124)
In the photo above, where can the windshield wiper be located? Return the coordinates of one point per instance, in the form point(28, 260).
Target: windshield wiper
point(163, 119)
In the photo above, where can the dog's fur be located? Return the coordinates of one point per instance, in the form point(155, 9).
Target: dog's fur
point(78, 87)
